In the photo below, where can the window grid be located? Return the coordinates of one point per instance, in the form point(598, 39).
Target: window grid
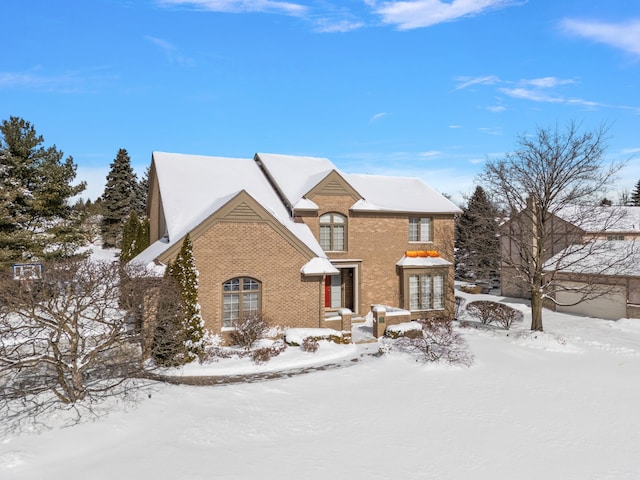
point(419, 229)
point(333, 232)
point(426, 292)
point(241, 297)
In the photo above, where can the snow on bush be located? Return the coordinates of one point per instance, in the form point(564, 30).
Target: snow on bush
point(295, 336)
point(488, 312)
point(436, 341)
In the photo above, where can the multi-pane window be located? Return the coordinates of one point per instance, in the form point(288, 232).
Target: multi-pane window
point(426, 292)
point(333, 232)
point(419, 229)
point(241, 298)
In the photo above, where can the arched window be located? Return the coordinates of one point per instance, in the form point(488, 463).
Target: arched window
point(333, 232)
point(241, 298)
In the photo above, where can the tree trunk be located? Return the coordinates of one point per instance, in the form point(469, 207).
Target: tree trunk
point(536, 310)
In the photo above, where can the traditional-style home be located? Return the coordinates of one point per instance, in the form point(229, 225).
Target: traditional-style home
point(300, 242)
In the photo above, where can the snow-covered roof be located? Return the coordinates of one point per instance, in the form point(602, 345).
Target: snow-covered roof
point(398, 194)
point(600, 257)
point(193, 187)
point(295, 176)
point(319, 266)
point(610, 219)
point(407, 261)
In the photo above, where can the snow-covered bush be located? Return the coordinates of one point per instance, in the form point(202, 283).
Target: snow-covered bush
point(249, 329)
point(488, 312)
point(437, 342)
point(406, 329)
point(507, 316)
point(310, 345)
point(295, 336)
point(483, 310)
point(264, 354)
point(64, 340)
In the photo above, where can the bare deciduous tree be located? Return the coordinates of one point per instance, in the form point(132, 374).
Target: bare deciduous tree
point(64, 340)
point(550, 186)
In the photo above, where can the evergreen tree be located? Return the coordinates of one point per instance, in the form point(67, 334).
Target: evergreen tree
point(635, 195)
point(180, 339)
point(142, 191)
point(36, 220)
point(135, 236)
point(129, 233)
point(119, 198)
point(477, 242)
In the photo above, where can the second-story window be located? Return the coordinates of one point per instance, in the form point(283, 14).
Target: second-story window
point(419, 229)
point(333, 232)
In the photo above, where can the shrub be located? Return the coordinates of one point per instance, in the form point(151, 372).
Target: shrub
point(488, 312)
point(408, 330)
point(437, 341)
point(473, 289)
point(507, 316)
point(264, 354)
point(483, 310)
point(309, 344)
point(459, 306)
point(248, 330)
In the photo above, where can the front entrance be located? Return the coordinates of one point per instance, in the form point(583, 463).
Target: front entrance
point(339, 290)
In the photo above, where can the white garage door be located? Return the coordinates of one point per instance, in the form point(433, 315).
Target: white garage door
point(612, 305)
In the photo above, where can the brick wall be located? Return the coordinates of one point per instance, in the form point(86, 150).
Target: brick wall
point(380, 240)
point(256, 250)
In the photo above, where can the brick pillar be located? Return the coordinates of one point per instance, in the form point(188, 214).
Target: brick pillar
point(379, 320)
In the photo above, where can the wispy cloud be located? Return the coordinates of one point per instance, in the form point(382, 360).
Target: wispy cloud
point(330, 25)
point(241, 6)
point(547, 82)
point(540, 89)
point(409, 14)
point(624, 36)
point(377, 117)
point(170, 51)
point(535, 95)
point(429, 153)
point(465, 82)
point(491, 130)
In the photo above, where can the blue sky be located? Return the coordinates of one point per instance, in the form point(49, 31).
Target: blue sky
point(421, 88)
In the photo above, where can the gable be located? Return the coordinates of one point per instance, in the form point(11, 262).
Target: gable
point(243, 212)
point(242, 208)
point(334, 185)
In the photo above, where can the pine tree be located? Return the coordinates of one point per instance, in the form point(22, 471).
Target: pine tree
point(118, 199)
point(635, 195)
point(477, 242)
point(129, 233)
point(142, 191)
point(135, 236)
point(181, 340)
point(36, 219)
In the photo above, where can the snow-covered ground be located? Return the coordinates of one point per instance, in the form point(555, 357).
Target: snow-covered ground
point(563, 404)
